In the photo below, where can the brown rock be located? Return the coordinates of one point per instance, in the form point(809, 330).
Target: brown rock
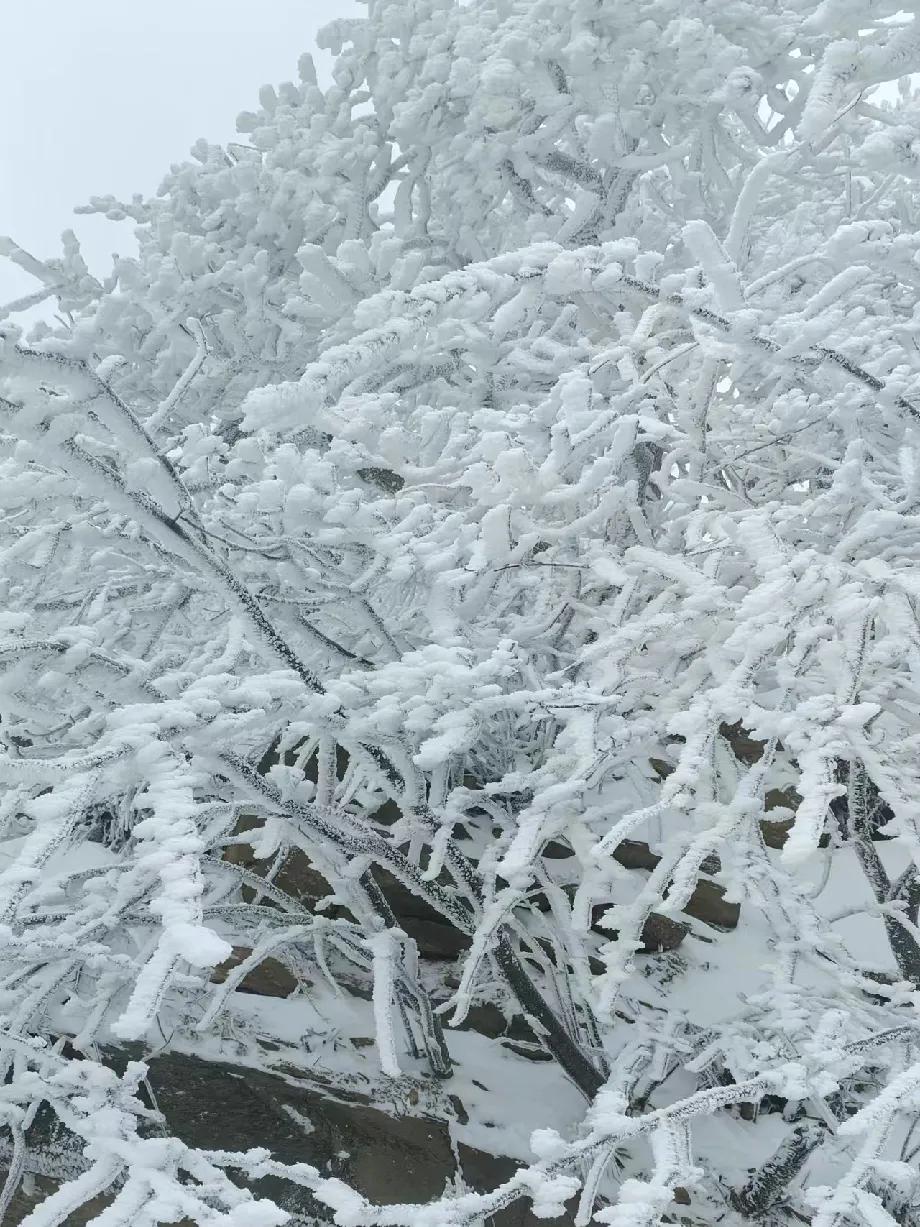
point(556, 850)
point(708, 904)
point(661, 933)
point(661, 768)
point(296, 878)
point(745, 747)
point(490, 1021)
point(781, 798)
point(387, 1157)
point(40, 1187)
point(269, 979)
point(633, 854)
point(775, 834)
point(434, 936)
point(435, 939)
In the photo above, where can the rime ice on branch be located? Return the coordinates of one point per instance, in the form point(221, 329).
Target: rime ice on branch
point(493, 489)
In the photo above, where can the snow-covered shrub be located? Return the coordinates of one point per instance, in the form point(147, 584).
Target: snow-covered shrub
point(508, 456)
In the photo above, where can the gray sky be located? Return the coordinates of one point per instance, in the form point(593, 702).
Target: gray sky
point(100, 96)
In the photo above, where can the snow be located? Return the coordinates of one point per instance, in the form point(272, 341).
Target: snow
point(499, 471)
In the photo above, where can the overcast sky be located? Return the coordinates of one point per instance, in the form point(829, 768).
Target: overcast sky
point(100, 96)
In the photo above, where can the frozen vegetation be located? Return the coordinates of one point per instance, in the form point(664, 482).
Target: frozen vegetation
point(466, 563)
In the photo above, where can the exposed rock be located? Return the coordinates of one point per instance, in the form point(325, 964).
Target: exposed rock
point(403, 901)
point(781, 798)
point(634, 854)
point(775, 834)
point(435, 939)
point(296, 877)
point(659, 932)
point(385, 479)
point(661, 768)
point(556, 850)
point(746, 749)
point(270, 979)
point(434, 936)
point(387, 1157)
point(707, 903)
point(481, 1171)
point(33, 1191)
point(775, 831)
point(490, 1020)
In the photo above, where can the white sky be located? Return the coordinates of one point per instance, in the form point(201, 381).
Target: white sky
point(100, 96)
